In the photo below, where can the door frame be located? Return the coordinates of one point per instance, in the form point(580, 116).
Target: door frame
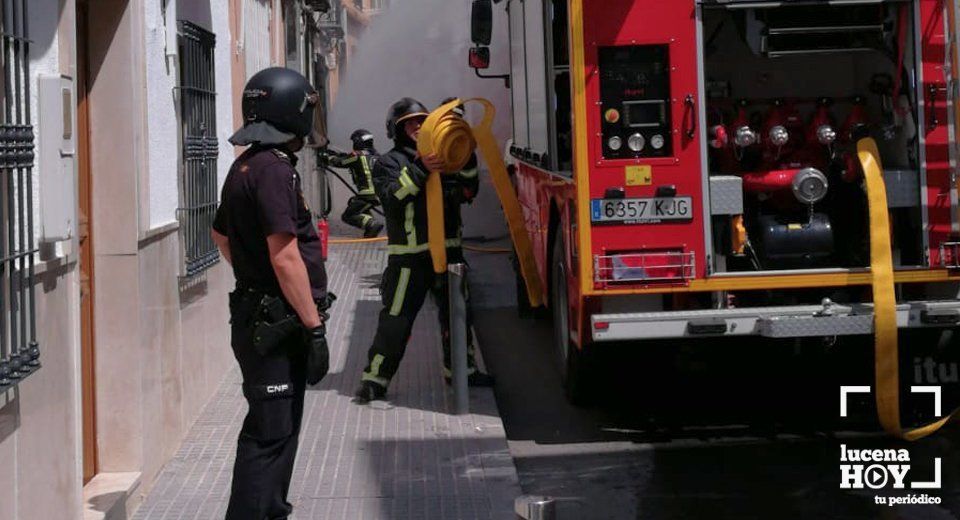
point(86, 259)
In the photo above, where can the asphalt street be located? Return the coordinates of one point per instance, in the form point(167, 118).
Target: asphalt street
point(720, 429)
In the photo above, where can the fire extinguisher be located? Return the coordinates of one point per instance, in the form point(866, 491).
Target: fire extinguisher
point(323, 231)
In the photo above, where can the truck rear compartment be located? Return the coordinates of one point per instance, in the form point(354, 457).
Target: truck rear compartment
point(789, 90)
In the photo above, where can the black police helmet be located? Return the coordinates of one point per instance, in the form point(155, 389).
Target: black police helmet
point(459, 109)
point(278, 106)
point(362, 139)
point(399, 112)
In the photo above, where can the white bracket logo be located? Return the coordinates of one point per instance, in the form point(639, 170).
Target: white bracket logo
point(845, 390)
point(875, 475)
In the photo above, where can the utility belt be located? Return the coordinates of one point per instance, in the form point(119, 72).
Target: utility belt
point(274, 319)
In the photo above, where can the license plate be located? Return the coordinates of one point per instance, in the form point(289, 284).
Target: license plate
point(642, 211)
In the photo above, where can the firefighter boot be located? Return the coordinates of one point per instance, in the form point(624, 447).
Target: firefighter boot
point(370, 391)
point(372, 229)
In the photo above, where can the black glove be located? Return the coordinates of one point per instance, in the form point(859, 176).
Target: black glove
point(318, 355)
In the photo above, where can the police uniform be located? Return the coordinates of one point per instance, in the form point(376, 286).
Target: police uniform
point(262, 196)
point(359, 211)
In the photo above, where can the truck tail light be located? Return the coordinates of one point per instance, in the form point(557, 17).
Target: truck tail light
point(480, 58)
point(645, 266)
point(601, 325)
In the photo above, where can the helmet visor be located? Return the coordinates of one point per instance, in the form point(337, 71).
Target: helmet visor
point(420, 115)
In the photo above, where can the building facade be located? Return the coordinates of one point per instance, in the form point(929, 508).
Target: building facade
point(113, 147)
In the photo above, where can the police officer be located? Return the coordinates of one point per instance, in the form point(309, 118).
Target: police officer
point(264, 229)
point(458, 189)
point(400, 178)
point(359, 211)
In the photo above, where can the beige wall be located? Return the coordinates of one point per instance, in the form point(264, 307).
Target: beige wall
point(160, 349)
point(183, 350)
point(39, 420)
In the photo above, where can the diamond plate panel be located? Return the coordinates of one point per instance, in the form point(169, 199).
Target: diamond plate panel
point(810, 326)
point(726, 195)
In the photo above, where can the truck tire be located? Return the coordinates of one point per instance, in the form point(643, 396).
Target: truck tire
point(574, 363)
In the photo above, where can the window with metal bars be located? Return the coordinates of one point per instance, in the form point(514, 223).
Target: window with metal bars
point(199, 147)
point(19, 352)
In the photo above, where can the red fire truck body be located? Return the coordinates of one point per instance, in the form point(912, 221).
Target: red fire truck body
point(689, 169)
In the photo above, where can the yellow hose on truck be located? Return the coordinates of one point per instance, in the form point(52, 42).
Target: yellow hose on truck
point(453, 140)
point(886, 354)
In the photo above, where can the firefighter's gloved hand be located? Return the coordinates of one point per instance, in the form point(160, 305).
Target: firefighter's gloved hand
point(318, 355)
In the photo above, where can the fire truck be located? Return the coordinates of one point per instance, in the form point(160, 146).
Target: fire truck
point(689, 168)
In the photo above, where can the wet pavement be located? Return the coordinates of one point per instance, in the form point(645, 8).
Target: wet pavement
point(720, 429)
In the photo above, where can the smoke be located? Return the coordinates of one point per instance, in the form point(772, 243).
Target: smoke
point(418, 48)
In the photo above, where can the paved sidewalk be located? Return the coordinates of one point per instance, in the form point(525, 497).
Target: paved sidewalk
point(415, 460)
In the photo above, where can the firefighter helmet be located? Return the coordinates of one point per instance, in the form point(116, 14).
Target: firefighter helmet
point(362, 139)
point(278, 106)
point(400, 111)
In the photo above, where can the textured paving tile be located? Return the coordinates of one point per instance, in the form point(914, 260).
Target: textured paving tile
point(413, 461)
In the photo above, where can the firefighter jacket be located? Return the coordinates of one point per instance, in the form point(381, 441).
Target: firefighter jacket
point(400, 183)
point(360, 164)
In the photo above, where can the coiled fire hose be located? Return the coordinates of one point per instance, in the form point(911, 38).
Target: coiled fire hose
point(452, 140)
point(886, 352)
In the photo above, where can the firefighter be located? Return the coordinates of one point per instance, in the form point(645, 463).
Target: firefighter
point(359, 212)
point(264, 229)
point(399, 178)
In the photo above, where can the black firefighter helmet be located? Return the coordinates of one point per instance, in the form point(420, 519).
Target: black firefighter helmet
point(362, 139)
point(278, 106)
point(400, 111)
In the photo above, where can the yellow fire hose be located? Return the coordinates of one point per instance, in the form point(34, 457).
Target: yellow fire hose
point(479, 249)
point(453, 141)
point(886, 354)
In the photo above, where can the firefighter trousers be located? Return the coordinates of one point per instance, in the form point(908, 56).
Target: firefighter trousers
point(404, 286)
point(274, 387)
point(359, 211)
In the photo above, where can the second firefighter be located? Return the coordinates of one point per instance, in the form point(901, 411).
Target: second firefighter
point(360, 207)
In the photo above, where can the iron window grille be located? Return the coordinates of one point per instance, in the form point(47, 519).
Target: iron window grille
point(19, 352)
point(199, 147)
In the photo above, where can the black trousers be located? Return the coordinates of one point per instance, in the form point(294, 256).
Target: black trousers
point(403, 288)
point(274, 387)
point(359, 211)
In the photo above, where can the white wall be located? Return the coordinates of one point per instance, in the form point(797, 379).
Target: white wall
point(221, 27)
point(163, 125)
point(44, 60)
point(256, 35)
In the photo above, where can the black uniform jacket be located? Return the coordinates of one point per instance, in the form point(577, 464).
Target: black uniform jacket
point(262, 196)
